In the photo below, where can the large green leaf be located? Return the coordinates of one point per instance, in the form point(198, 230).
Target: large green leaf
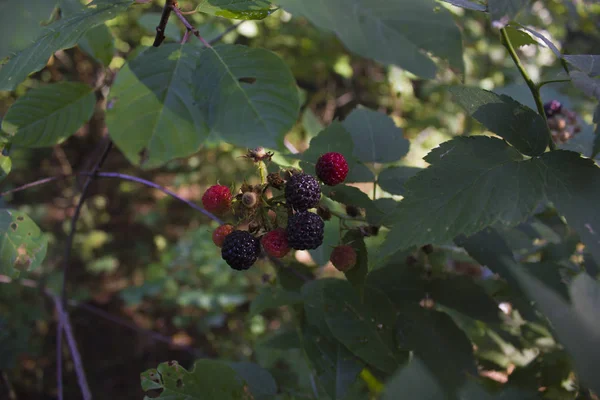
point(376, 136)
point(261, 382)
point(238, 9)
point(439, 343)
point(47, 115)
point(335, 366)
point(401, 283)
point(468, 4)
point(472, 183)
point(273, 297)
point(576, 325)
point(248, 96)
point(588, 63)
point(518, 124)
point(392, 32)
point(153, 117)
point(208, 380)
point(22, 244)
point(573, 186)
point(365, 333)
point(60, 35)
point(392, 179)
point(21, 22)
point(414, 381)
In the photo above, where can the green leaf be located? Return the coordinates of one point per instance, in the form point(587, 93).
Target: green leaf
point(392, 179)
point(573, 186)
point(414, 381)
point(47, 115)
point(469, 5)
point(239, 9)
point(462, 294)
point(504, 11)
point(376, 136)
point(348, 195)
point(273, 297)
point(254, 84)
point(21, 22)
point(331, 238)
point(5, 166)
point(576, 326)
point(587, 63)
point(586, 84)
point(519, 38)
point(261, 382)
point(208, 380)
point(398, 32)
point(518, 124)
point(335, 366)
point(22, 244)
point(401, 283)
point(314, 304)
point(62, 34)
point(384, 209)
point(98, 42)
point(153, 118)
point(472, 183)
point(357, 328)
point(356, 276)
point(439, 343)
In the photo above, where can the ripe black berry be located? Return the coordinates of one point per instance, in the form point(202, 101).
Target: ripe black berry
point(305, 231)
point(240, 250)
point(302, 191)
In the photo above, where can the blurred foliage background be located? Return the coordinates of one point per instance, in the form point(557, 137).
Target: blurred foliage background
point(143, 262)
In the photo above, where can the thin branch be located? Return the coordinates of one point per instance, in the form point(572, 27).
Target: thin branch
point(532, 86)
point(119, 176)
point(63, 318)
point(63, 296)
point(188, 26)
point(109, 317)
point(185, 37)
point(123, 322)
point(162, 25)
point(161, 188)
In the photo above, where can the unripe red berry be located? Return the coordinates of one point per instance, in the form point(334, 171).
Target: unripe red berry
point(275, 243)
point(217, 199)
point(219, 234)
point(343, 258)
point(332, 168)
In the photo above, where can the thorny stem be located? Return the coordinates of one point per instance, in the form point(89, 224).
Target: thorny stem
point(532, 86)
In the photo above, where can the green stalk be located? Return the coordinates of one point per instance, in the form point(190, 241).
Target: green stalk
point(535, 91)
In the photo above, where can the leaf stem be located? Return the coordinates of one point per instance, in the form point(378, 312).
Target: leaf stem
point(187, 24)
point(535, 91)
point(539, 85)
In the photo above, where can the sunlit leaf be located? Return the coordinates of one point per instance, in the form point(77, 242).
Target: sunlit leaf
point(392, 32)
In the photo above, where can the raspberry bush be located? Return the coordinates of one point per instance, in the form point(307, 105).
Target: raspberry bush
point(300, 199)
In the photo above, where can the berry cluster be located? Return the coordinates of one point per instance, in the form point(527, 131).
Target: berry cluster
point(276, 223)
point(561, 121)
